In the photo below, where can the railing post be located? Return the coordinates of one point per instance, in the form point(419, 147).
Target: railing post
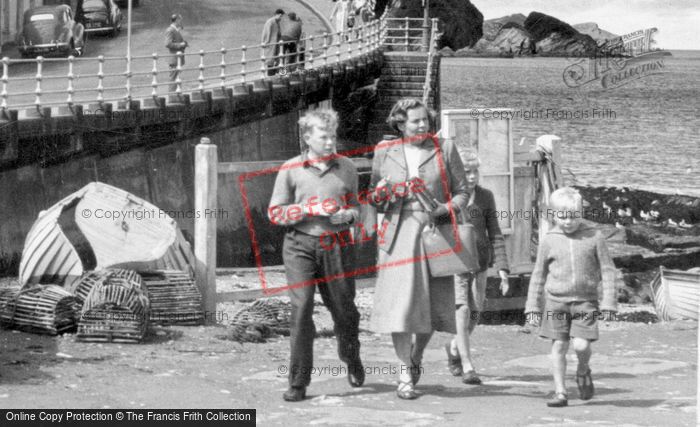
point(338, 47)
point(178, 79)
point(37, 91)
point(154, 73)
point(360, 39)
point(243, 61)
point(205, 189)
point(5, 80)
point(100, 79)
point(426, 27)
point(325, 49)
point(128, 79)
point(201, 71)
point(433, 32)
point(350, 43)
point(309, 54)
point(71, 76)
point(408, 24)
point(263, 66)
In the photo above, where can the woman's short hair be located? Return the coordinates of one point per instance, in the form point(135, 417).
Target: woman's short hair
point(399, 112)
point(566, 199)
point(469, 155)
point(327, 117)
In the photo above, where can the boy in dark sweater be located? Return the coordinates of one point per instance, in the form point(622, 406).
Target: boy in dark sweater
point(470, 288)
point(571, 261)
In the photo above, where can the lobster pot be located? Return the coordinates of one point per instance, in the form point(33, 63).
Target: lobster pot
point(175, 298)
point(114, 311)
point(7, 294)
point(43, 309)
point(114, 275)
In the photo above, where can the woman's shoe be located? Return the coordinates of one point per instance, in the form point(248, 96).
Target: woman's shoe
point(406, 391)
point(454, 363)
point(470, 377)
point(585, 385)
point(558, 400)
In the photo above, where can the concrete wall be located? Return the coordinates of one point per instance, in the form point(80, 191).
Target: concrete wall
point(149, 150)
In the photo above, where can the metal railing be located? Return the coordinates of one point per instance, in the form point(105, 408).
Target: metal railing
point(64, 82)
point(432, 52)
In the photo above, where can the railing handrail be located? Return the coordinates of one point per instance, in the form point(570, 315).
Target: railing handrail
point(206, 69)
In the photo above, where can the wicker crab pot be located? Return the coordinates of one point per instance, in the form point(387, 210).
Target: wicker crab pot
point(113, 275)
point(116, 309)
point(175, 298)
point(43, 309)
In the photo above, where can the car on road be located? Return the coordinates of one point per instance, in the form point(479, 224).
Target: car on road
point(51, 30)
point(125, 3)
point(101, 17)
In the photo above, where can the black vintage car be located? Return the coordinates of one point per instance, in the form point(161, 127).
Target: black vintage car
point(101, 17)
point(51, 30)
point(125, 3)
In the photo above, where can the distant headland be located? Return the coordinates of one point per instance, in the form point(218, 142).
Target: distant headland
point(466, 33)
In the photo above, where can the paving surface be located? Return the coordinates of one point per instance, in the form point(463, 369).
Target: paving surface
point(645, 374)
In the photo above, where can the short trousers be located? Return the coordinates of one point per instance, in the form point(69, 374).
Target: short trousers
point(470, 289)
point(564, 320)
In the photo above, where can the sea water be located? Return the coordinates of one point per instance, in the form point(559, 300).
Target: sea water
point(645, 134)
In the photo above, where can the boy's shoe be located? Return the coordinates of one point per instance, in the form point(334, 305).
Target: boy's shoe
point(558, 400)
point(454, 363)
point(294, 394)
point(471, 378)
point(585, 385)
point(356, 374)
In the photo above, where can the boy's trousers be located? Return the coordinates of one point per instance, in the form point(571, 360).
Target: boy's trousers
point(307, 258)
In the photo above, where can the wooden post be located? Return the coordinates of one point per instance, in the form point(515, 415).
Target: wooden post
point(205, 189)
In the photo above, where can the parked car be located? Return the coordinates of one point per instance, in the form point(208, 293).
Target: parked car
point(101, 17)
point(125, 3)
point(50, 30)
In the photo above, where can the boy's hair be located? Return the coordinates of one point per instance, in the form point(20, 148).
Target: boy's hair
point(566, 199)
point(399, 112)
point(469, 156)
point(327, 117)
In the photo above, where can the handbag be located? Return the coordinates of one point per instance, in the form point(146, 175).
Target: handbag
point(446, 255)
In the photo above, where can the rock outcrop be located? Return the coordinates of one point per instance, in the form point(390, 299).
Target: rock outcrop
point(535, 34)
point(509, 39)
point(555, 37)
point(493, 26)
point(592, 29)
point(460, 21)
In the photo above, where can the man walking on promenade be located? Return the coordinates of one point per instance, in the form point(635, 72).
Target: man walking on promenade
point(291, 28)
point(310, 198)
point(270, 41)
point(175, 43)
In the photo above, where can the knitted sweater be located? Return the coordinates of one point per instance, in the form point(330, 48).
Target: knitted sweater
point(570, 268)
point(483, 216)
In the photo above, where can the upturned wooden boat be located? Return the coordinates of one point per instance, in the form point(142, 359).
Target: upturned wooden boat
point(98, 227)
point(676, 294)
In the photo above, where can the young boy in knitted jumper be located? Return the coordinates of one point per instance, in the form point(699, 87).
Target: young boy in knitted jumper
point(571, 261)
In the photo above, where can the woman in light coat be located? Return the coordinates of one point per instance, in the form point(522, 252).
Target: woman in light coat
point(409, 303)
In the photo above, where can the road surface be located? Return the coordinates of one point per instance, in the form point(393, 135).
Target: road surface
point(208, 25)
